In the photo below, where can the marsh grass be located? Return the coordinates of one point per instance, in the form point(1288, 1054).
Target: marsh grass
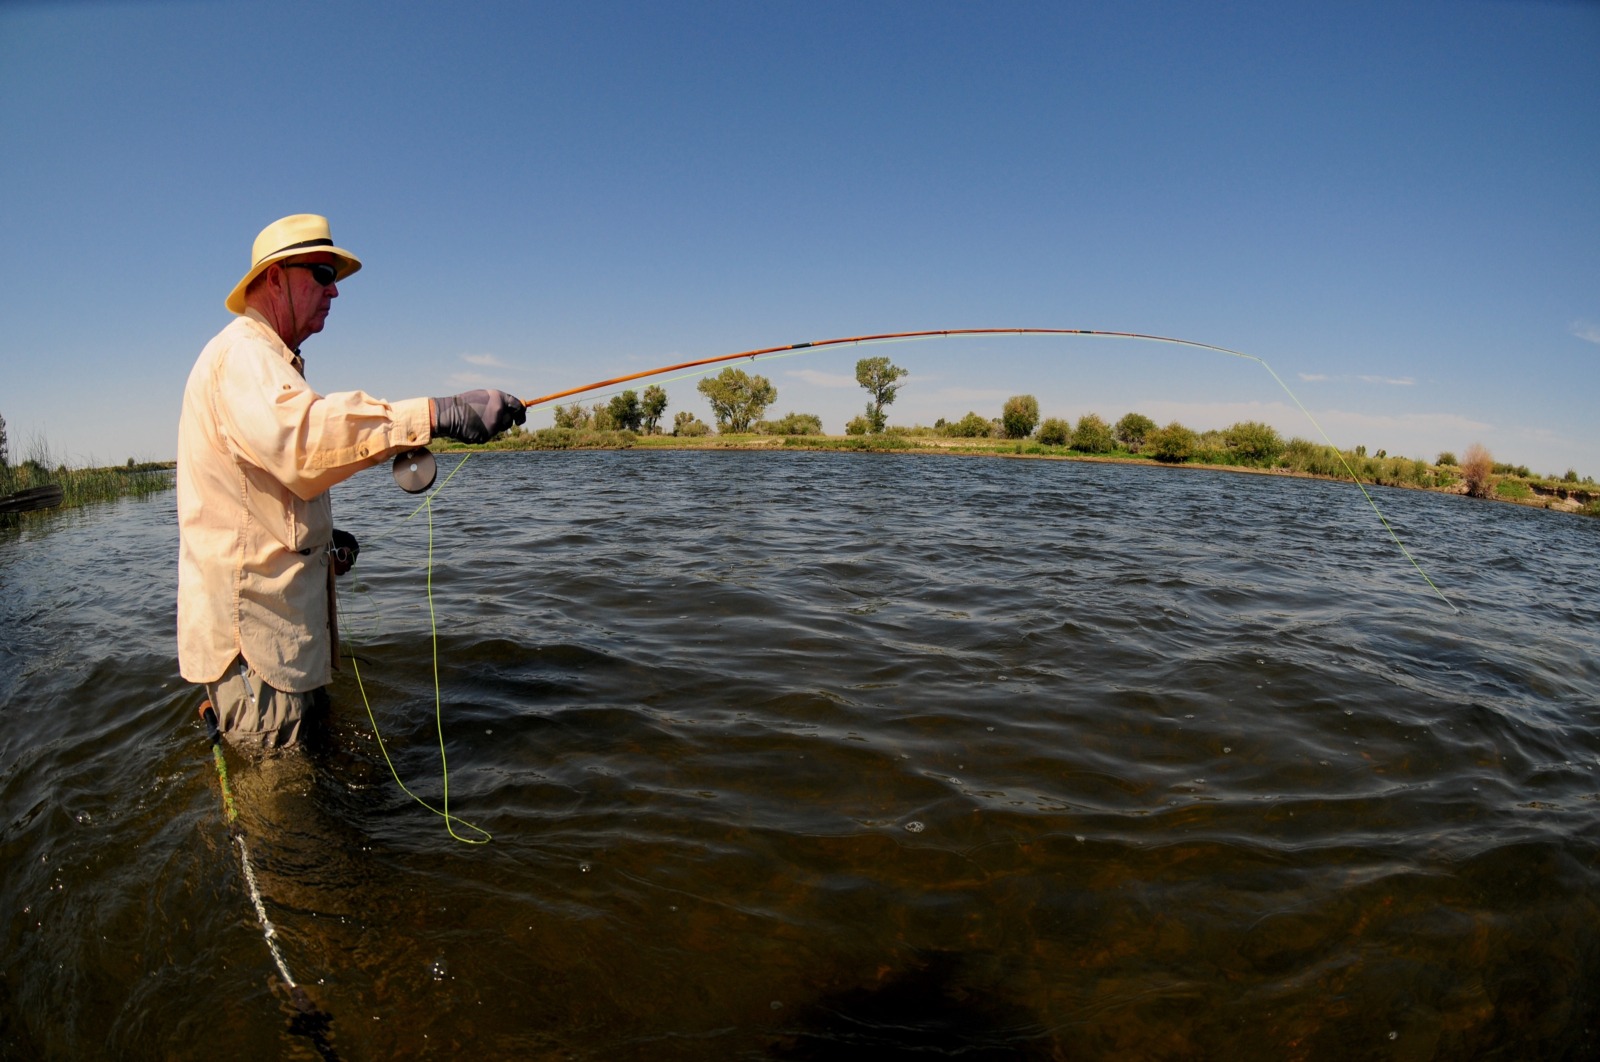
point(83, 486)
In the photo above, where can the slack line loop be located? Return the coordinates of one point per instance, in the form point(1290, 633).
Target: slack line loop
point(450, 819)
point(791, 348)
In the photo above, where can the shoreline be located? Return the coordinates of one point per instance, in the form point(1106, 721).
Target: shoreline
point(1580, 500)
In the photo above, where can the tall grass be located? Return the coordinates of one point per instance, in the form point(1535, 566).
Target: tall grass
point(84, 486)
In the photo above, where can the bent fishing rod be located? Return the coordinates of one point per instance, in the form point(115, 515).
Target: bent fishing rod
point(415, 470)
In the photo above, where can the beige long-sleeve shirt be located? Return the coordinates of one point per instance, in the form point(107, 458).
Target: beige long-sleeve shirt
point(257, 451)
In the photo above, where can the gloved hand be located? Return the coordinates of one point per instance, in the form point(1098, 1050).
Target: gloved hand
point(345, 550)
point(476, 416)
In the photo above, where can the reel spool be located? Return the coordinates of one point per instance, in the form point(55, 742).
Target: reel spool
point(415, 470)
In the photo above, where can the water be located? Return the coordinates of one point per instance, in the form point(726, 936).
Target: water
point(803, 756)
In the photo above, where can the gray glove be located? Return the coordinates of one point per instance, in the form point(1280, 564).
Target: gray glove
point(476, 416)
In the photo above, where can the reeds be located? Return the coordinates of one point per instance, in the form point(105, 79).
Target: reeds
point(83, 486)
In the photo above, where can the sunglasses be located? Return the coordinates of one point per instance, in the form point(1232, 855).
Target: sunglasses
point(321, 272)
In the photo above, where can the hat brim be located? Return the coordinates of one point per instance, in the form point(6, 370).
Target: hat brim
point(346, 262)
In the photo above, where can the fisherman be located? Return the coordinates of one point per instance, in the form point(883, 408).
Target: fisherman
point(258, 450)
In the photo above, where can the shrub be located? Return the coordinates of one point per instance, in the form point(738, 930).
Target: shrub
point(573, 416)
point(1054, 432)
point(859, 425)
point(1133, 429)
point(1255, 442)
point(792, 424)
point(688, 425)
point(1093, 435)
point(1019, 416)
point(1446, 457)
point(970, 426)
point(1172, 444)
point(1477, 468)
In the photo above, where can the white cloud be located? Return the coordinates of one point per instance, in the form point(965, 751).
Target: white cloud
point(487, 361)
point(822, 379)
point(1586, 331)
point(1393, 381)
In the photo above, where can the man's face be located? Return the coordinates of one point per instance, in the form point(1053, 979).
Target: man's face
point(311, 300)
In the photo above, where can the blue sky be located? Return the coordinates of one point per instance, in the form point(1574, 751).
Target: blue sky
point(1396, 205)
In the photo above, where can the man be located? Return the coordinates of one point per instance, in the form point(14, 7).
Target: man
point(258, 450)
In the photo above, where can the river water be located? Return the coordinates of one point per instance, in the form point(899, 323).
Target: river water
point(821, 756)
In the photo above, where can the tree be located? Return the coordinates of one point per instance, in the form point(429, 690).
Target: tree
point(1133, 429)
point(1093, 435)
point(1019, 416)
point(878, 376)
point(651, 409)
point(1255, 442)
point(1477, 468)
point(5, 454)
point(737, 399)
point(625, 411)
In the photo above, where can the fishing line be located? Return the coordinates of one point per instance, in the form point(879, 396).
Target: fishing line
point(310, 1022)
point(438, 694)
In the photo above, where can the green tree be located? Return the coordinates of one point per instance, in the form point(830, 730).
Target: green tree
point(1172, 444)
point(878, 376)
point(625, 411)
point(1093, 435)
point(652, 408)
point(737, 399)
point(1133, 429)
point(1055, 431)
point(1255, 442)
point(1019, 416)
point(1446, 458)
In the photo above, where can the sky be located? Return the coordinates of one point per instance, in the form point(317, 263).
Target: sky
point(1395, 205)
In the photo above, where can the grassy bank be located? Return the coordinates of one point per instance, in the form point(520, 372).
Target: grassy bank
point(81, 486)
point(1299, 457)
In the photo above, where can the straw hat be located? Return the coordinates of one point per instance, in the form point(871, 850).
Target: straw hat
point(285, 238)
